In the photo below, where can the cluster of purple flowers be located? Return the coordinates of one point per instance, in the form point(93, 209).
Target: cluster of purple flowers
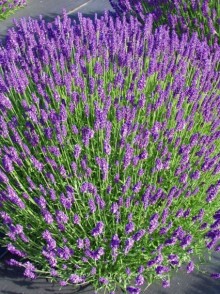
point(109, 140)
point(7, 6)
point(202, 16)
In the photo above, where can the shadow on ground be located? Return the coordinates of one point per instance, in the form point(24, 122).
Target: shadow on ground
point(12, 282)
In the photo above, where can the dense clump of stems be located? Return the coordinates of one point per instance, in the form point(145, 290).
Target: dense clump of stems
point(109, 146)
point(201, 16)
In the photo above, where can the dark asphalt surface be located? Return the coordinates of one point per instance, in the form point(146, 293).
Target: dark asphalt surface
point(11, 280)
point(49, 9)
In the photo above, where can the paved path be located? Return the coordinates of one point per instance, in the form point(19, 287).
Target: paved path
point(50, 8)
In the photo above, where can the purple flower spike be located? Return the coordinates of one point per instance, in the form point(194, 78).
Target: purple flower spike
point(139, 235)
point(166, 284)
point(212, 192)
point(139, 280)
point(75, 279)
point(87, 135)
point(129, 243)
point(30, 270)
point(76, 219)
point(98, 230)
point(3, 178)
point(129, 228)
point(215, 276)
point(63, 283)
point(114, 207)
point(190, 267)
point(15, 251)
point(93, 271)
point(186, 241)
point(128, 271)
point(133, 290)
point(61, 217)
point(162, 269)
point(92, 205)
point(5, 102)
point(103, 280)
point(7, 164)
point(115, 242)
point(153, 223)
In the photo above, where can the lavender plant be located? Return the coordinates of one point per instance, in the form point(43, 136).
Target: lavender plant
point(109, 148)
point(7, 7)
point(202, 16)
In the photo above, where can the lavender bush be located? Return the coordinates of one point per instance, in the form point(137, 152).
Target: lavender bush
point(202, 16)
point(7, 7)
point(109, 150)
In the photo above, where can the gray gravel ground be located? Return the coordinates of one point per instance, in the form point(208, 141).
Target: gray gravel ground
point(11, 280)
